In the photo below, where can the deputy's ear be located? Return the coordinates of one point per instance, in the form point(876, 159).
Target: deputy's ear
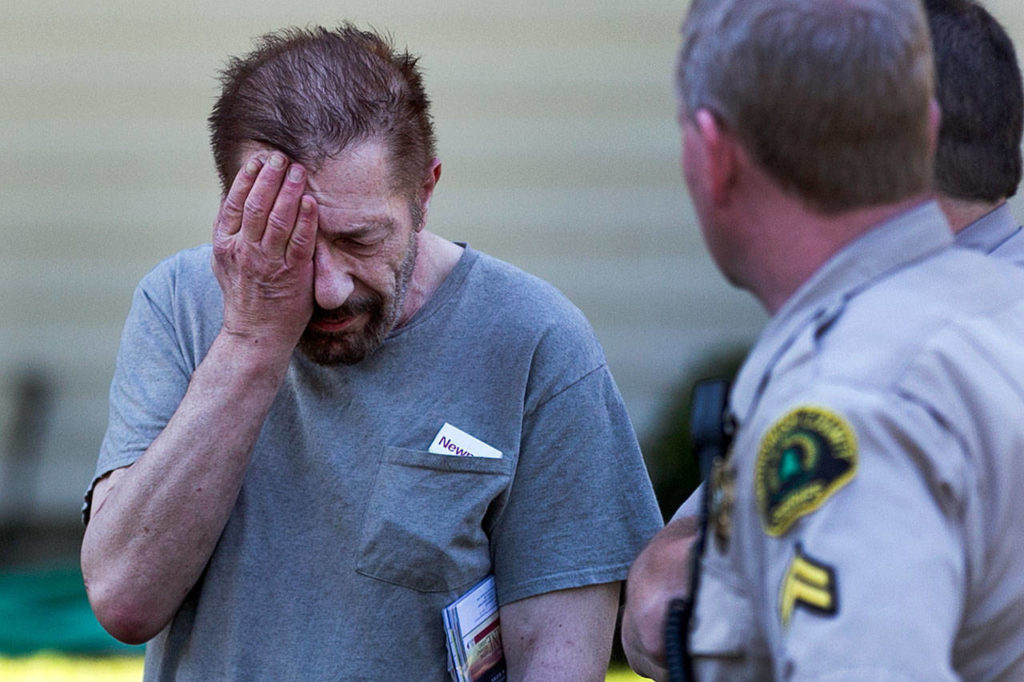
point(720, 156)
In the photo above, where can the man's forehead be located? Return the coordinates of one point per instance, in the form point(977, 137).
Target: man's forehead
point(355, 221)
point(353, 188)
point(356, 213)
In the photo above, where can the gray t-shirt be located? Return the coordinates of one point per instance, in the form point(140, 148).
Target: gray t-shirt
point(348, 536)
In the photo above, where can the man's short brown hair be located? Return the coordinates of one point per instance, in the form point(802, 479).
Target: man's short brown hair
point(312, 93)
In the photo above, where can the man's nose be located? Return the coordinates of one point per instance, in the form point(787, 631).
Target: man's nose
point(332, 278)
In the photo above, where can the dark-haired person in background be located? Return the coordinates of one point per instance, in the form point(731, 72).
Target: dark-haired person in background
point(978, 165)
point(978, 158)
point(331, 423)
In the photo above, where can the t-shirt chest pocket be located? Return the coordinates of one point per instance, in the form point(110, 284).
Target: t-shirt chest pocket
point(423, 527)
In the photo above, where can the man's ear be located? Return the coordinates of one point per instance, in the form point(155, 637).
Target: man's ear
point(720, 158)
point(430, 180)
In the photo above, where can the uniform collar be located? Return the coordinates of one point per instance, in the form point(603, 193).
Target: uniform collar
point(885, 248)
point(987, 233)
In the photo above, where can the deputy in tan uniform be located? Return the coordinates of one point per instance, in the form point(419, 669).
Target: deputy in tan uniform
point(866, 523)
point(977, 168)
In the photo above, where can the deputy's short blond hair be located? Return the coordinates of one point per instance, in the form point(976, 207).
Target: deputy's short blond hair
point(830, 97)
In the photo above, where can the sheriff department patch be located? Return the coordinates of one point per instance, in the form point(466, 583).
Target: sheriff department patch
point(805, 457)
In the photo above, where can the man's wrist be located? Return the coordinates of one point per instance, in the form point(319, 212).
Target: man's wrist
point(253, 354)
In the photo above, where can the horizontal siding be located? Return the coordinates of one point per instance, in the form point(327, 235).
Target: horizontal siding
point(556, 129)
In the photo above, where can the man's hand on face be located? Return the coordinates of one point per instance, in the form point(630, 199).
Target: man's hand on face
point(263, 243)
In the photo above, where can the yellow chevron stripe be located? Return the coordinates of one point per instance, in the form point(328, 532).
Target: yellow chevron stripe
point(808, 583)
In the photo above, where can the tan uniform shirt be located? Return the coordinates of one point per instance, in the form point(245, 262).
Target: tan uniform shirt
point(869, 521)
point(997, 234)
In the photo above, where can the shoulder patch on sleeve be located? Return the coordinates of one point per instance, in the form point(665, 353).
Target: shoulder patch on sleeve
point(809, 584)
point(804, 458)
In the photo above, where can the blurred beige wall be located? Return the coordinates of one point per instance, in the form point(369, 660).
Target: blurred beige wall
point(556, 130)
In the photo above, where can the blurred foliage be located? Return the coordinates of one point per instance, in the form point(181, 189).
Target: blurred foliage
point(667, 450)
point(46, 608)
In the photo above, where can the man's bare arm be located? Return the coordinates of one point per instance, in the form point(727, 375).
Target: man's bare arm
point(660, 574)
point(155, 524)
point(563, 635)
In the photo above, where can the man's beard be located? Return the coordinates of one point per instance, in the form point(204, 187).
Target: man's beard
point(348, 348)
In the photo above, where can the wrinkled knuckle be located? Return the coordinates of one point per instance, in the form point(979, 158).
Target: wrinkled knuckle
point(300, 239)
point(225, 228)
point(226, 258)
point(276, 224)
point(231, 208)
point(253, 209)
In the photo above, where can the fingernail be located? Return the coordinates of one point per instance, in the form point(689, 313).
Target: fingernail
point(295, 173)
point(277, 161)
point(252, 167)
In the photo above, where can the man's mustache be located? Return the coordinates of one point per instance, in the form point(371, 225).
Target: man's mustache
point(351, 308)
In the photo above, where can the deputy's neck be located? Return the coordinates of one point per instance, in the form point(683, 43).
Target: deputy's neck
point(798, 241)
point(963, 212)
